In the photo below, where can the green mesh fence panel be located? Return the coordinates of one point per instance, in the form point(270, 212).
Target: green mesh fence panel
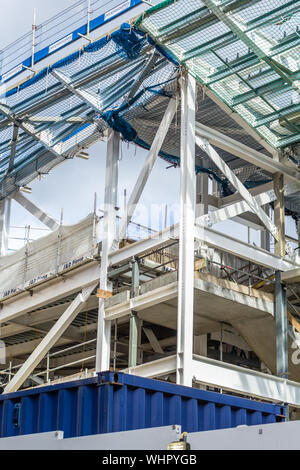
point(247, 52)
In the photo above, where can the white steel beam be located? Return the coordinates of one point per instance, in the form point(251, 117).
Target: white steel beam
point(44, 137)
point(236, 197)
point(242, 206)
point(219, 162)
point(185, 311)
point(78, 278)
point(246, 381)
point(264, 234)
point(108, 239)
point(47, 293)
point(147, 167)
point(159, 368)
point(35, 211)
point(142, 302)
point(32, 321)
point(91, 100)
point(13, 147)
point(50, 339)
point(246, 153)
point(144, 73)
point(153, 340)
point(243, 250)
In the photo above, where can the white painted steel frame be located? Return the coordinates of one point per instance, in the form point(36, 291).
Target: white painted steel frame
point(219, 162)
point(147, 167)
point(46, 219)
point(49, 340)
point(237, 208)
point(228, 377)
point(246, 153)
point(235, 378)
point(88, 98)
point(186, 230)
point(108, 241)
point(5, 206)
point(185, 312)
point(89, 273)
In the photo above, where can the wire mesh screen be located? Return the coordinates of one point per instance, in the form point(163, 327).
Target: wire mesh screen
point(124, 81)
point(247, 52)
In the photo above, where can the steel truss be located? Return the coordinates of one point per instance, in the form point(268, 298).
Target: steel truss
point(191, 232)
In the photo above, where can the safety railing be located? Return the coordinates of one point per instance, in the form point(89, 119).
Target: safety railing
point(59, 31)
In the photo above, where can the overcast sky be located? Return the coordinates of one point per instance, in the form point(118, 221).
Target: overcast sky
point(72, 185)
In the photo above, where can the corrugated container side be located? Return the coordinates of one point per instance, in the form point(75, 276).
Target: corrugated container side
point(112, 402)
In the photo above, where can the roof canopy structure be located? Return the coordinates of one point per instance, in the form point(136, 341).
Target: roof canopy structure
point(244, 55)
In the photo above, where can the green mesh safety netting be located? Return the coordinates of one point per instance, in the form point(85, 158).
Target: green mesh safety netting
point(246, 52)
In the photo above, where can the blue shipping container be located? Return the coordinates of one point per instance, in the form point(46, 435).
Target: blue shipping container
point(113, 401)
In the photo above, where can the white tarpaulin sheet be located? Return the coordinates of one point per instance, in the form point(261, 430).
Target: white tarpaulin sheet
point(47, 256)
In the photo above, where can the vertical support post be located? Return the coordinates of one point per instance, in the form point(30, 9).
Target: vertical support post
point(108, 239)
point(279, 214)
point(281, 327)
point(265, 234)
point(34, 28)
point(186, 237)
point(94, 236)
point(115, 345)
point(134, 319)
point(59, 242)
point(48, 367)
point(27, 229)
point(201, 194)
point(10, 371)
point(89, 12)
point(200, 345)
point(5, 208)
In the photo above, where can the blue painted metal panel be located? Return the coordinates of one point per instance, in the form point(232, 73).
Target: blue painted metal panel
point(112, 402)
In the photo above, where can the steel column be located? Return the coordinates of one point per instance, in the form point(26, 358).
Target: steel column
point(281, 327)
point(186, 233)
point(201, 194)
point(134, 319)
point(264, 234)
point(108, 239)
point(280, 244)
point(5, 206)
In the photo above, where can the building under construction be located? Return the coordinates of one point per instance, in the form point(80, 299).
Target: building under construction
point(212, 87)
